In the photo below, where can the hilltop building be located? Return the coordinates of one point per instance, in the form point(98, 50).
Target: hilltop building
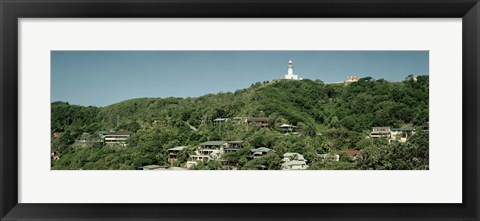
point(290, 74)
point(350, 80)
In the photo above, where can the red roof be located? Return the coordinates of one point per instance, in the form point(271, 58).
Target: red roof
point(352, 152)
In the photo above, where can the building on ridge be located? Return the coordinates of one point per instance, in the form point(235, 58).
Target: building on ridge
point(290, 75)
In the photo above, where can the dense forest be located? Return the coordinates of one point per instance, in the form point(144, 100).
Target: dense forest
point(330, 118)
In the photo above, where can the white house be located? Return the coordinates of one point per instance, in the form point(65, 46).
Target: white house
point(401, 134)
point(289, 129)
point(195, 158)
point(393, 134)
point(118, 138)
point(294, 161)
point(378, 132)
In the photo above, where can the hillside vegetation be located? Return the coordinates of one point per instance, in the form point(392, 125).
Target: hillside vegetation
point(330, 118)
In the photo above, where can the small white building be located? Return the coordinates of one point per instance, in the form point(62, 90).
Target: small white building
point(350, 80)
point(290, 75)
point(194, 159)
point(401, 134)
point(289, 129)
point(393, 134)
point(378, 132)
point(294, 161)
point(118, 138)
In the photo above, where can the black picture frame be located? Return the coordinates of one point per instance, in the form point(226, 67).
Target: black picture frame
point(12, 10)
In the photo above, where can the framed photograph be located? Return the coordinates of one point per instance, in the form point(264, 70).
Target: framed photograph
point(255, 110)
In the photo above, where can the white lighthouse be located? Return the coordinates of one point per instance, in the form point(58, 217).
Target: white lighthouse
point(290, 74)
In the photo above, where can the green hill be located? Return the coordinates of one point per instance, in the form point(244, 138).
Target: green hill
point(330, 117)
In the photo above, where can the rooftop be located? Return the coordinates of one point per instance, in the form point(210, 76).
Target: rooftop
point(213, 143)
point(261, 149)
point(403, 129)
point(178, 148)
point(352, 152)
point(297, 155)
point(380, 127)
point(259, 118)
point(287, 125)
point(123, 132)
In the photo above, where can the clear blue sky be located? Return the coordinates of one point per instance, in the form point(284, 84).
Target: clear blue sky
point(101, 78)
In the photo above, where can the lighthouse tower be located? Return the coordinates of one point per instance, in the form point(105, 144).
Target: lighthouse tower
point(290, 74)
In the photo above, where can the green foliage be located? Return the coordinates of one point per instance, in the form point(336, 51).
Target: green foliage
point(330, 118)
point(412, 155)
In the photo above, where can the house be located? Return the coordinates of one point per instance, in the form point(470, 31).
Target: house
point(328, 157)
point(195, 158)
point(350, 79)
point(118, 138)
point(294, 161)
point(214, 144)
point(295, 165)
point(233, 146)
point(289, 129)
point(353, 154)
point(210, 150)
point(401, 134)
point(393, 134)
point(219, 121)
point(378, 132)
point(173, 153)
point(259, 121)
point(260, 152)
